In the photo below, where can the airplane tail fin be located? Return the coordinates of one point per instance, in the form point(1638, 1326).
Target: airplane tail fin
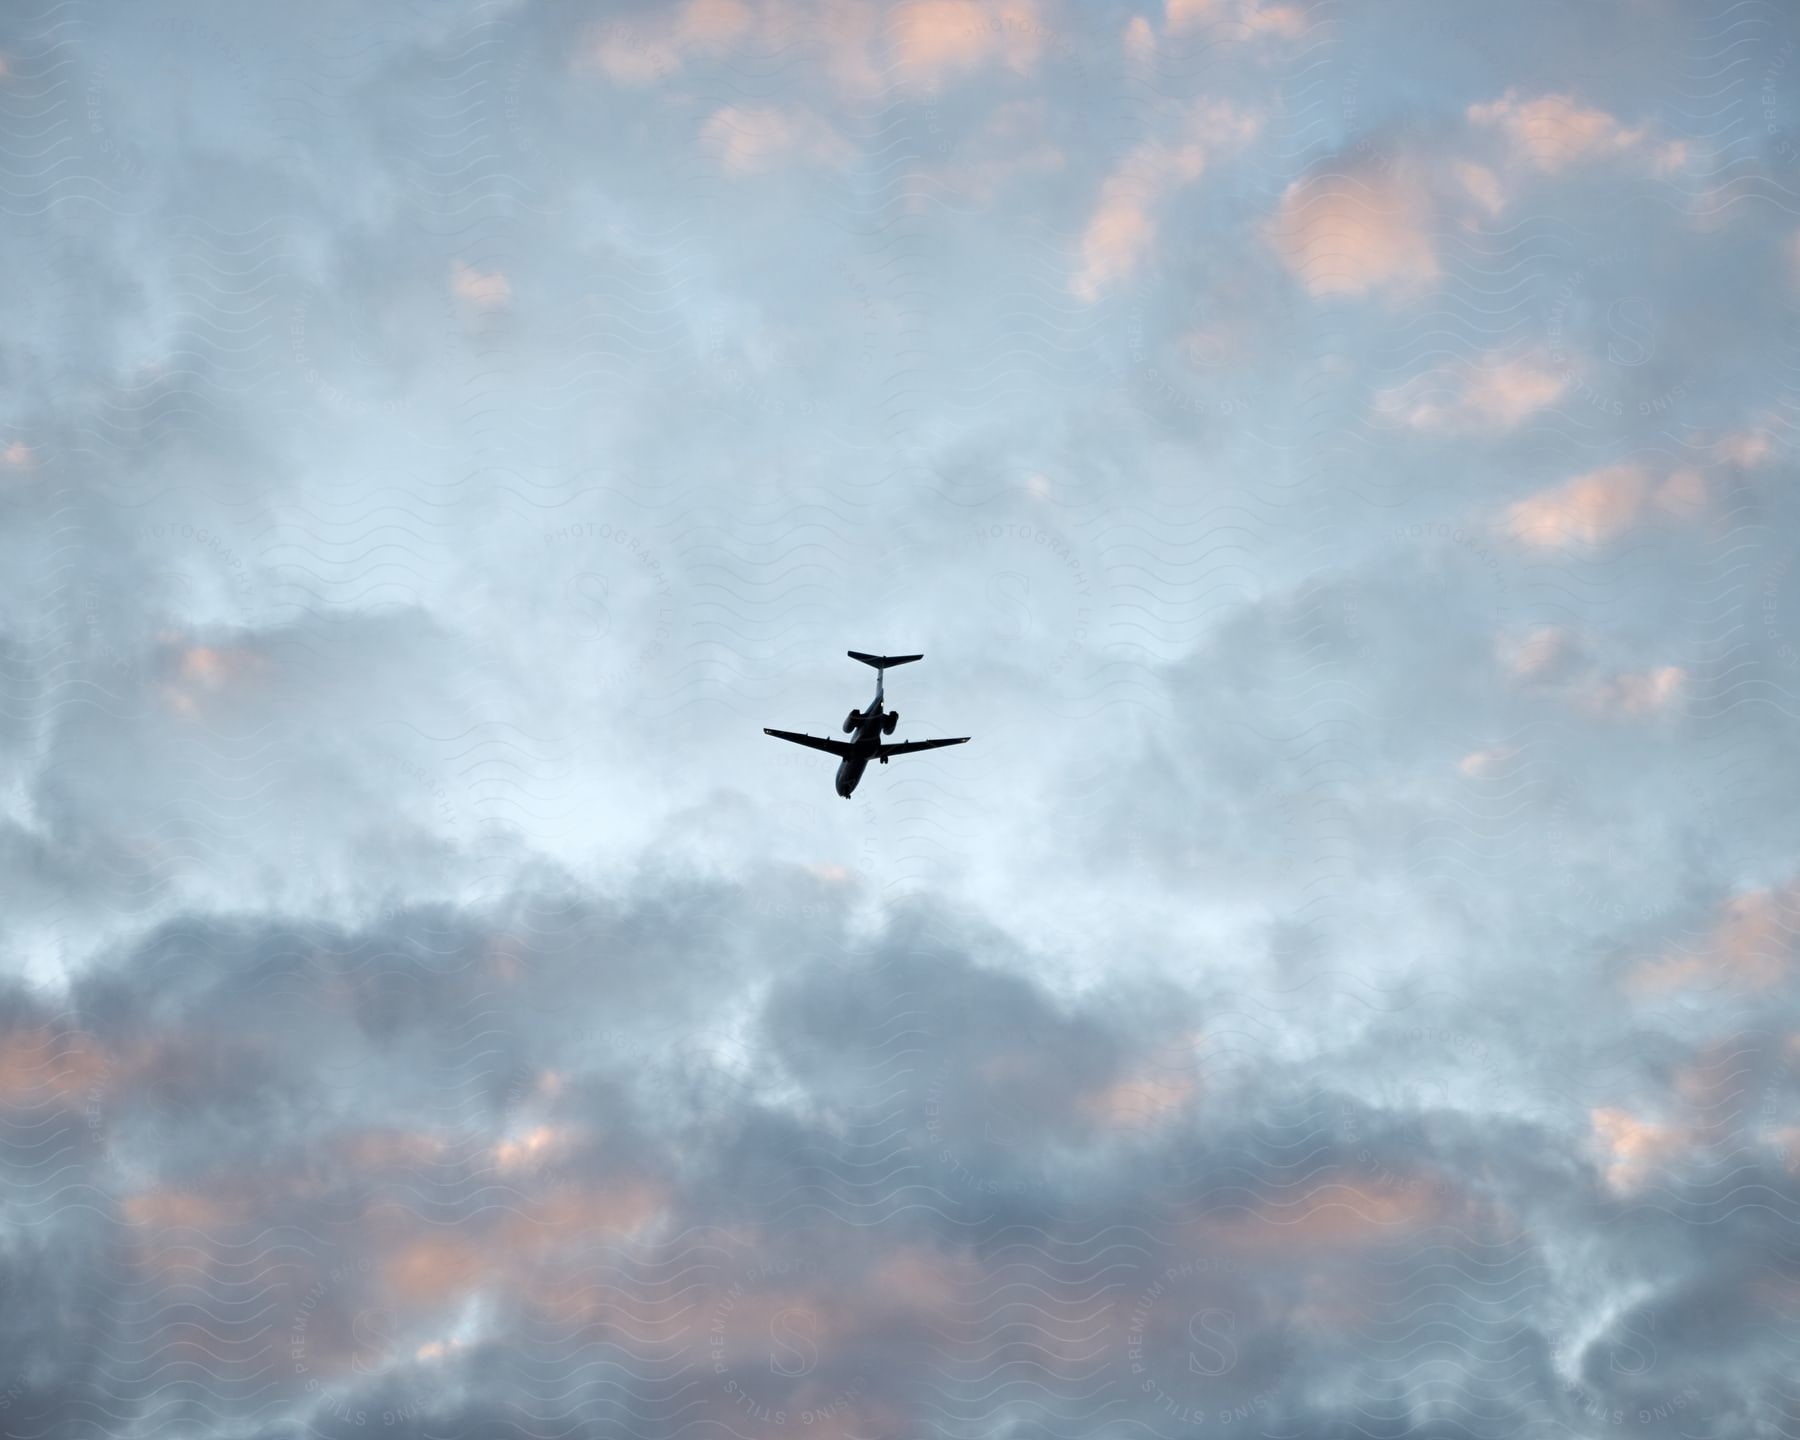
point(883, 662)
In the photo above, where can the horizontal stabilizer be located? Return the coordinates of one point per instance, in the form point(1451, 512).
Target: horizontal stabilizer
point(883, 662)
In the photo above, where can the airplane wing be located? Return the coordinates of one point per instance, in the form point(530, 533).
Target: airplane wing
point(830, 747)
point(906, 747)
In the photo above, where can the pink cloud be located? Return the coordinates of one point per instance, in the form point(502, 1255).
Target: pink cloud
point(1354, 231)
point(486, 289)
point(41, 1066)
point(661, 43)
point(1492, 395)
point(1538, 654)
point(1552, 132)
point(1747, 448)
point(1587, 510)
point(1636, 692)
point(925, 43)
point(1594, 508)
point(1751, 943)
point(1122, 231)
point(933, 40)
point(1632, 1149)
point(1139, 1102)
point(1482, 185)
point(1253, 15)
point(752, 139)
point(1480, 763)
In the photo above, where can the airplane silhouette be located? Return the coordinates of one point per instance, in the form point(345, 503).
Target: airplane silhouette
point(868, 726)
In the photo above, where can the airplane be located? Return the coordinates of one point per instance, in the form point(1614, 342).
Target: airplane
point(868, 726)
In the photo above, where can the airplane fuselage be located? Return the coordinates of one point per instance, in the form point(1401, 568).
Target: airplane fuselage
point(867, 744)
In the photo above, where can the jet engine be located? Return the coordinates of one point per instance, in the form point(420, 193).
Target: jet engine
point(889, 722)
point(852, 720)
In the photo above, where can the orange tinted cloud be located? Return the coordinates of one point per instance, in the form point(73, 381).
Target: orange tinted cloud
point(918, 1278)
point(660, 43)
point(1139, 1102)
point(1123, 229)
point(1751, 944)
point(1536, 653)
point(1594, 508)
point(1631, 1149)
point(1253, 15)
point(392, 1149)
point(1553, 132)
point(1482, 186)
point(1637, 692)
point(1747, 448)
point(934, 39)
point(1588, 510)
point(864, 46)
point(1335, 1216)
point(488, 290)
point(750, 139)
point(40, 1066)
point(713, 22)
point(1486, 762)
point(1118, 236)
point(531, 1148)
point(1186, 14)
point(162, 1209)
point(200, 672)
point(1492, 395)
point(1356, 231)
point(432, 1270)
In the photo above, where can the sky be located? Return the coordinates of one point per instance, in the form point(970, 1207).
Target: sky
point(1337, 461)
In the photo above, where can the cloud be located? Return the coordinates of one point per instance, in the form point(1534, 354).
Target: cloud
point(934, 40)
point(1256, 16)
point(1552, 133)
point(1637, 692)
point(1633, 1149)
point(1746, 448)
point(1751, 944)
point(1486, 762)
point(1359, 229)
point(45, 1066)
point(1490, 395)
point(1481, 185)
point(657, 44)
point(924, 44)
point(1539, 652)
point(1594, 508)
point(463, 1002)
point(1122, 232)
point(752, 140)
point(486, 290)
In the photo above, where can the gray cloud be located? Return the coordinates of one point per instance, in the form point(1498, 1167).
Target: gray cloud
point(1337, 467)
